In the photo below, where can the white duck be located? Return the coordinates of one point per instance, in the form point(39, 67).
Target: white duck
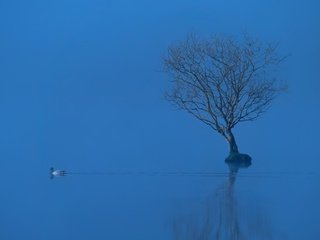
point(57, 173)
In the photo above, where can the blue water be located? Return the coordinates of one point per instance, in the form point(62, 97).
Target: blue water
point(81, 89)
point(163, 205)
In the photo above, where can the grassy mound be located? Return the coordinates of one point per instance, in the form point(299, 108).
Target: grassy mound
point(240, 160)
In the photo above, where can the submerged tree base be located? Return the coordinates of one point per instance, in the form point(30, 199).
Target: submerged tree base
point(238, 160)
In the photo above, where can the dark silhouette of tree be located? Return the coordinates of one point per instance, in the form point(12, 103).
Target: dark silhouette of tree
point(221, 81)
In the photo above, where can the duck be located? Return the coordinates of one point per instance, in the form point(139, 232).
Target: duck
point(57, 173)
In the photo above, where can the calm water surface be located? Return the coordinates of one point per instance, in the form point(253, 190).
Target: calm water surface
point(188, 204)
point(81, 90)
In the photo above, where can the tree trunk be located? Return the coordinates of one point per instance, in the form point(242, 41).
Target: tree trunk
point(233, 148)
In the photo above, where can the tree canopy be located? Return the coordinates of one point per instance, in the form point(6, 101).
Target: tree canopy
point(222, 81)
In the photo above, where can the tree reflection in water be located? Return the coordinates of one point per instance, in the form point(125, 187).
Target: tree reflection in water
point(222, 219)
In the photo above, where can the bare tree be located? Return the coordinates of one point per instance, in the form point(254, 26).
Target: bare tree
point(221, 81)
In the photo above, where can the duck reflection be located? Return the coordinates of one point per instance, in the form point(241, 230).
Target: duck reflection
point(222, 218)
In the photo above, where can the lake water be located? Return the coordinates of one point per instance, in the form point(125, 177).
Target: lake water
point(81, 88)
point(202, 204)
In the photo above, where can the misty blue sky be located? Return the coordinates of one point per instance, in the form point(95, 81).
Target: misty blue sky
point(81, 89)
